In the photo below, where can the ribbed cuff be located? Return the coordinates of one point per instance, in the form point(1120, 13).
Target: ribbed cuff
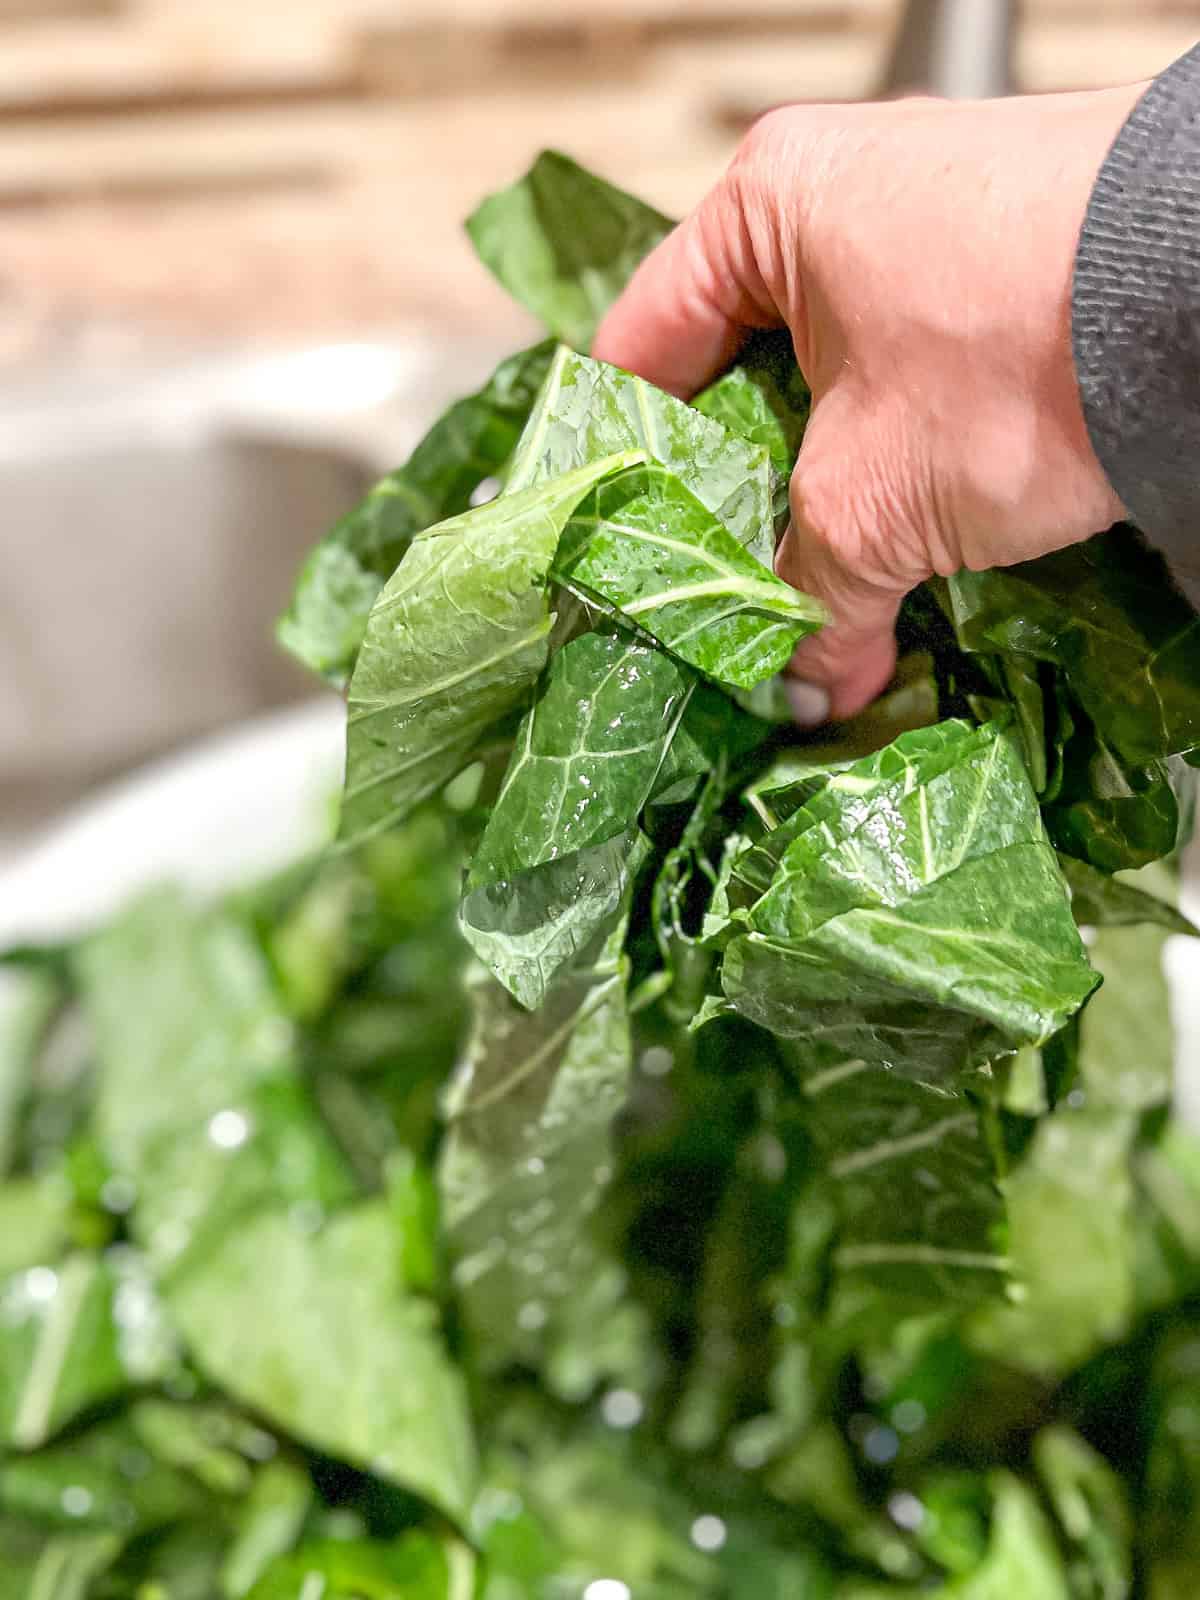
point(1136, 317)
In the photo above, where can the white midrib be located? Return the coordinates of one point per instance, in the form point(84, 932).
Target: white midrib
point(50, 1354)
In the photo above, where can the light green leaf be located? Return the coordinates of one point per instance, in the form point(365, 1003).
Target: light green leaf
point(1127, 1042)
point(453, 646)
point(565, 243)
point(588, 410)
point(270, 1521)
point(71, 1336)
point(1090, 1503)
point(527, 1156)
point(398, 1406)
point(416, 1567)
point(35, 1214)
point(764, 399)
point(342, 577)
point(199, 1103)
point(66, 1567)
point(1070, 1205)
point(1022, 1556)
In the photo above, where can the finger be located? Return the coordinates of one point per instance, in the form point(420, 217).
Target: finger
point(688, 307)
point(851, 660)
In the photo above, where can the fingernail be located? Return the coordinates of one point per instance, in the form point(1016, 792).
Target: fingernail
point(809, 702)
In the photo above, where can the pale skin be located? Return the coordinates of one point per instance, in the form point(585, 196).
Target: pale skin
point(921, 254)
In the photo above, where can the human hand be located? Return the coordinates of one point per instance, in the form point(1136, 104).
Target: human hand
point(921, 255)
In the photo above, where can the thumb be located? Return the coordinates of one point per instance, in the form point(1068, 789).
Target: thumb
point(823, 553)
point(689, 305)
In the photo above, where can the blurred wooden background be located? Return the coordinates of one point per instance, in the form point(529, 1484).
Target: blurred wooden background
point(283, 168)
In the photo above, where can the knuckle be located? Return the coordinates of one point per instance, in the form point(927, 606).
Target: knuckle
point(851, 508)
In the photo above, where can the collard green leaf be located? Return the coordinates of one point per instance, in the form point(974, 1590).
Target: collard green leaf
point(198, 1100)
point(1107, 613)
point(564, 243)
point(66, 1566)
point(454, 644)
point(1107, 812)
point(588, 410)
point(123, 1490)
point(587, 754)
point(764, 399)
point(527, 1156)
point(416, 1567)
point(644, 545)
point(270, 1521)
point(1100, 900)
point(887, 902)
point(915, 1184)
point(1071, 1239)
point(561, 843)
point(340, 581)
point(58, 1348)
point(1092, 1509)
point(398, 1405)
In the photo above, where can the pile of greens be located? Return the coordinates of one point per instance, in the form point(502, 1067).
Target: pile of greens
point(656, 1154)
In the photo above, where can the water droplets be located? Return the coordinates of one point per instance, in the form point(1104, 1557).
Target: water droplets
point(607, 1589)
point(41, 1285)
point(708, 1533)
point(118, 1195)
point(905, 1510)
point(228, 1129)
point(75, 1500)
point(656, 1062)
point(908, 1416)
point(880, 1445)
point(622, 1408)
point(532, 1317)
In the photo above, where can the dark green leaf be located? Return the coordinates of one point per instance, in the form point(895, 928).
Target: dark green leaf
point(565, 243)
point(915, 1183)
point(1106, 612)
point(561, 844)
point(1102, 901)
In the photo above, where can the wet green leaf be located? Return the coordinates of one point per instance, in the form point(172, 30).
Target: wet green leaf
point(454, 643)
point(1106, 612)
point(588, 410)
point(528, 1154)
point(564, 243)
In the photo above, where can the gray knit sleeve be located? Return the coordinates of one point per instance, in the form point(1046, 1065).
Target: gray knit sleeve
point(1136, 317)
